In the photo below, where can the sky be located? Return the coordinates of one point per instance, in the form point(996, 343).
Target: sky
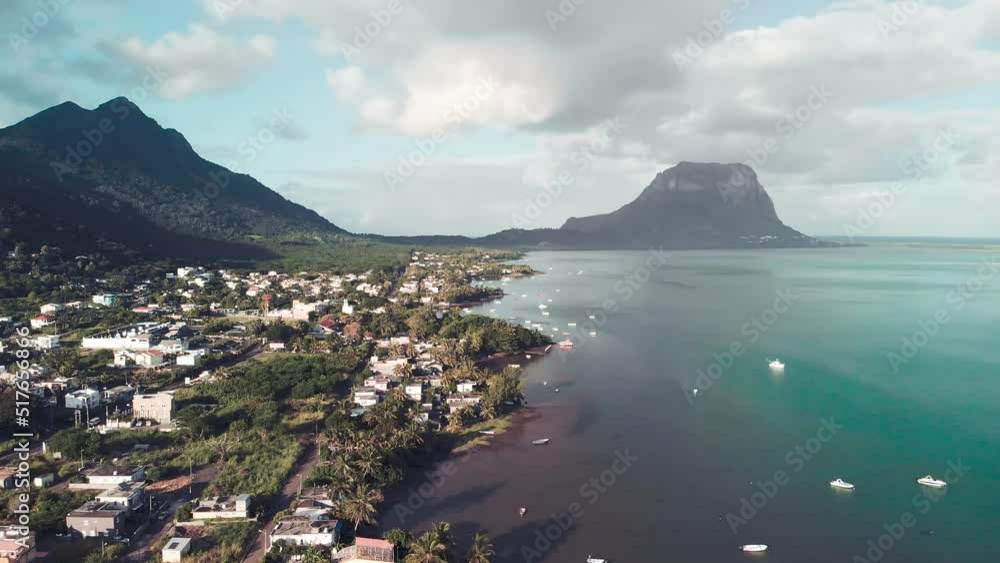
point(860, 117)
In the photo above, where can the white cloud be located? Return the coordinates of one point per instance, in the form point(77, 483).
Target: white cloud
point(894, 81)
point(199, 60)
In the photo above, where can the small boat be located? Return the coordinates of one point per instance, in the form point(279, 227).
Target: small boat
point(841, 484)
point(557, 389)
point(776, 364)
point(540, 442)
point(545, 313)
point(694, 391)
point(753, 547)
point(527, 356)
point(580, 273)
point(523, 295)
point(593, 333)
point(592, 559)
point(522, 511)
point(545, 383)
point(591, 317)
point(487, 432)
point(550, 300)
point(932, 482)
point(493, 310)
point(496, 301)
point(543, 306)
point(566, 343)
point(570, 324)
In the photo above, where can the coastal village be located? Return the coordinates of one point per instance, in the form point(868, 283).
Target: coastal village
point(205, 414)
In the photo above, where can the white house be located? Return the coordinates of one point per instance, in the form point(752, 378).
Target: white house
point(415, 391)
point(191, 358)
point(175, 550)
point(51, 308)
point(113, 475)
point(149, 358)
point(301, 530)
point(366, 396)
point(83, 398)
point(46, 341)
point(42, 321)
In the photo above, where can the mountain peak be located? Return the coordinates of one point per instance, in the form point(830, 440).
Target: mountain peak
point(694, 204)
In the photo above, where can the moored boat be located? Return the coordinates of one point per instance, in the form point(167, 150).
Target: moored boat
point(841, 484)
point(753, 547)
point(540, 442)
point(929, 481)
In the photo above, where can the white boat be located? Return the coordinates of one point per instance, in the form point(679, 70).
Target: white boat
point(694, 391)
point(932, 482)
point(841, 484)
point(496, 301)
point(591, 559)
point(545, 313)
point(566, 343)
point(753, 547)
point(523, 295)
point(550, 301)
point(522, 511)
point(593, 333)
point(543, 306)
point(591, 317)
point(493, 310)
point(557, 389)
point(527, 356)
point(545, 383)
point(487, 432)
point(776, 364)
point(570, 324)
point(540, 442)
point(580, 273)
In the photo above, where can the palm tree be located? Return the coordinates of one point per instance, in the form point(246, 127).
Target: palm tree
point(442, 533)
point(361, 505)
point(481, 549)
point(427, 549)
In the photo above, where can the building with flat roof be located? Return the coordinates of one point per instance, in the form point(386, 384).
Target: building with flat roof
point(302, 530)
point(111, 475)
point(128, 496)
point(95, 519)
point(175, 550)
point(222, 507)
point(83, 399)
point(158, 407)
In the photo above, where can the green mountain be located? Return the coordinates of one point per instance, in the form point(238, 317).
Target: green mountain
point(113, 179)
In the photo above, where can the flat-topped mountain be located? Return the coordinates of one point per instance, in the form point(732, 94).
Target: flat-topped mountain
point(692, 205)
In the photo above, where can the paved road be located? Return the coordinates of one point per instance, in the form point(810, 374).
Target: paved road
point(139, 547)
point(288, 494)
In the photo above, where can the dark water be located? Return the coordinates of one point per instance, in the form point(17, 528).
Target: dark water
point(628, 390)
